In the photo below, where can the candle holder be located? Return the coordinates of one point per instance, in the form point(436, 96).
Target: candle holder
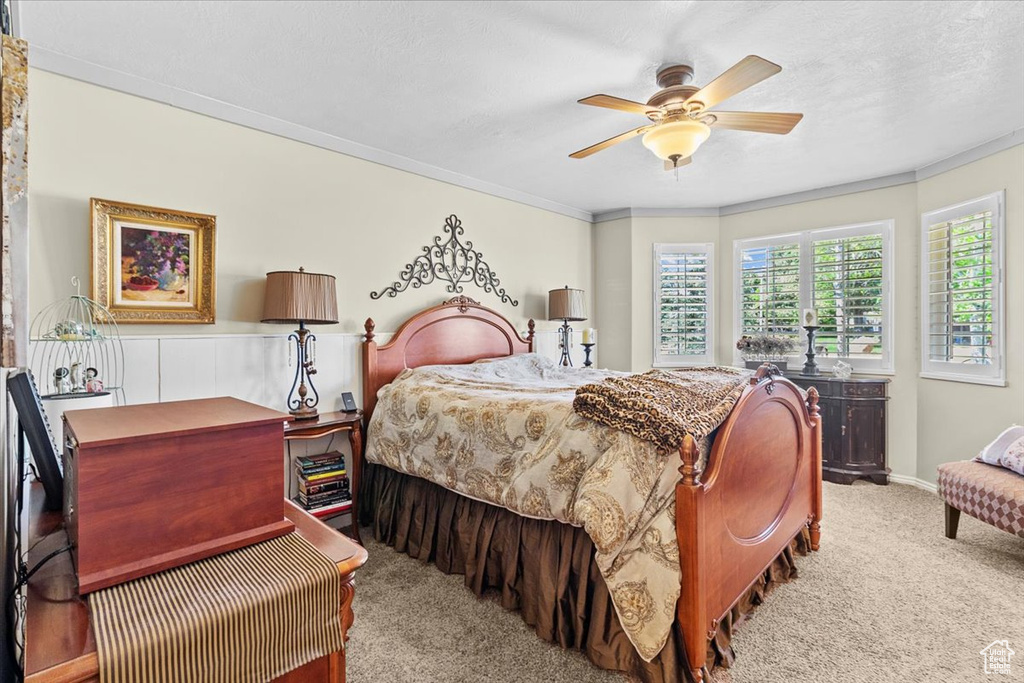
point(810, 367)
point(586, 349)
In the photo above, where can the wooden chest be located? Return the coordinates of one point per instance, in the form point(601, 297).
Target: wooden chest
point(155, 486)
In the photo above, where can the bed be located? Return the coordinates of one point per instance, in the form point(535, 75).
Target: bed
point(739, 510)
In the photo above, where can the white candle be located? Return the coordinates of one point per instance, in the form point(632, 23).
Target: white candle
point(589, 335)
point(810, 317)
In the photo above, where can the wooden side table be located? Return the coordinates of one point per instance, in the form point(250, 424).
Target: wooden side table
point(60, 645)
point(327, 424)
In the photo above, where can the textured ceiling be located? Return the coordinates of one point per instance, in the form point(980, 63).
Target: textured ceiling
point(489, 89)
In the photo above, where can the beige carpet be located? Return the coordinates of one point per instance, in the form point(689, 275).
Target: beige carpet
point(888, 598)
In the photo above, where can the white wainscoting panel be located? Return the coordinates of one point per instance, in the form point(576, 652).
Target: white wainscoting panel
point(141, 370)
point(258, 368)
point(278, 371)
point(337, 364)
point(239, 368)
point(188, 368)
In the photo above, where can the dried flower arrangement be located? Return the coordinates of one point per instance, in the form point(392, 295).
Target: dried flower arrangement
point(766, 347)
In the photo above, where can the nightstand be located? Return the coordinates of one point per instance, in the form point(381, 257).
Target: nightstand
point(328, 424)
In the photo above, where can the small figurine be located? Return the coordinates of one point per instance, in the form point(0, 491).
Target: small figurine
point(77, 381)
point(93, 384)
point(61, 382)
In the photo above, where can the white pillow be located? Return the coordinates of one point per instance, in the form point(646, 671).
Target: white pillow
point(1006, 451)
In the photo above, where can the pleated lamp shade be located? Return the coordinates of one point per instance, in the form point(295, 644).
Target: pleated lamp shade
point(567, 304)
point(297, 296)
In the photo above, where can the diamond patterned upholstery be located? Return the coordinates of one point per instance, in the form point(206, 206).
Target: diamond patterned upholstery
point(989, 493)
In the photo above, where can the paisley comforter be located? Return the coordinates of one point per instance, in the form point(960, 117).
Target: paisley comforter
point(504, 432)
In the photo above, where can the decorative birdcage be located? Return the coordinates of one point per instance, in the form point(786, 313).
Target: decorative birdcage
point(77, 351)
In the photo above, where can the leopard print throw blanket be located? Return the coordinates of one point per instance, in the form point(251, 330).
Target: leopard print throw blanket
point(663, 406)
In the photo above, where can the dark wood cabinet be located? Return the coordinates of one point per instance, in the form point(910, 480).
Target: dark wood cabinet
point(853, 413)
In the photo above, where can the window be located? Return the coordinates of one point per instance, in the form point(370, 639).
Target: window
point(843, 273)
point(683, 304)
point(962, 292)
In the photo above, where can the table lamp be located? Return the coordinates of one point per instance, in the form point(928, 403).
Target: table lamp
point(566, 305)
point(303, 298)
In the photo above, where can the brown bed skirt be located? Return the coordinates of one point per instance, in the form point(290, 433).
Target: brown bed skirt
point(544, 569)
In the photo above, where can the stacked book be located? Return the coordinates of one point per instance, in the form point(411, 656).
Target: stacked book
point(323, 482)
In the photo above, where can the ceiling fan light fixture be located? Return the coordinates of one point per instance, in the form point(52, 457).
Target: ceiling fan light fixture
point(678, 139)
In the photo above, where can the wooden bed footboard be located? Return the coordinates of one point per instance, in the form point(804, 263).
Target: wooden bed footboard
point(760, 487)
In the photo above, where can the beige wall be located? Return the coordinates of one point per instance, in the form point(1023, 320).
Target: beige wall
point(279, 204)
point(613, 293)
point(954, 420)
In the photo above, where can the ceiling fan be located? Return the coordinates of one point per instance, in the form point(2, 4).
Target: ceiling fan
point(680, 116)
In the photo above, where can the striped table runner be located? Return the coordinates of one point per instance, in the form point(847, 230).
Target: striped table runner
point(247, 615)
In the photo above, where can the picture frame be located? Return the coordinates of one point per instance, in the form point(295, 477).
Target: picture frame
point(153, 265)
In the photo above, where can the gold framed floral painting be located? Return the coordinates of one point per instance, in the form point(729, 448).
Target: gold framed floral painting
point(152, 265)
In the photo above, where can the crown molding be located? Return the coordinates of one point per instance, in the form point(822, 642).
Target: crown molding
point(639, 212)
point(986, 149)
point(820, 193)
point(983, 150)
point(71, 67)
point(615, 215)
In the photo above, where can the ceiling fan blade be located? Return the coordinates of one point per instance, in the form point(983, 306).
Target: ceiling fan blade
point(611, 102)
point(669, 166)
point(587, 151)
point(756, 121)
point(747, 72)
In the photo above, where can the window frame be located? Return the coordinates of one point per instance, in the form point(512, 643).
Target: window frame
point(660, 360)
point(805, 238)
point(995, 373)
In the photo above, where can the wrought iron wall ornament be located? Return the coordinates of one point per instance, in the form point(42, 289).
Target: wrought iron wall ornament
point(449, 260)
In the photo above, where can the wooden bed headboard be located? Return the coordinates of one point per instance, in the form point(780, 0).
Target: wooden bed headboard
point(457, 331)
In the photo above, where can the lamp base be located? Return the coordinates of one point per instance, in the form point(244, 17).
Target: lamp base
point(307, 413)
point(303, 405)
point(564, 342)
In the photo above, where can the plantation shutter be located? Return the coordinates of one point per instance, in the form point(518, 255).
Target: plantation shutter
point(770, 289)
point(960, 254)
point(683, 301)
point(847, 291)
point(961, 290)
point(842, 273)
